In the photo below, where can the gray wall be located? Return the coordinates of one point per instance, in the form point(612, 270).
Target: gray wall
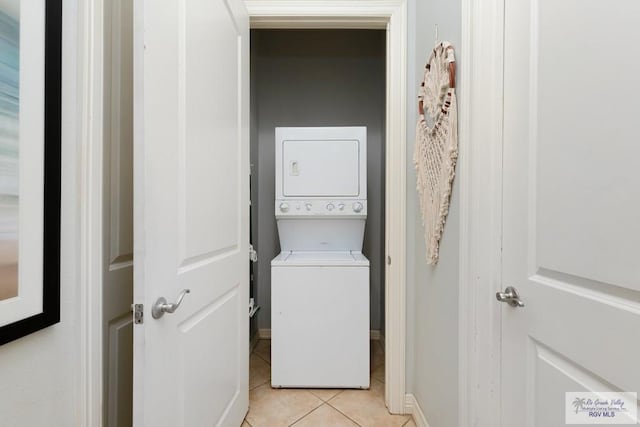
point(317, 78)
point(432, 294)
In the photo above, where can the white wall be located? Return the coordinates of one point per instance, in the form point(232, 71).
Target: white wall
point(319, 78)
point(39, 372)
point(432, 292)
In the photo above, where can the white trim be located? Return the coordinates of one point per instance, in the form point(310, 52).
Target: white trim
point(265, 334)
point(392, 15)
point(396, 212)
point(481, 115)
point(322, 13)
point(90, 72)
point(413, 407)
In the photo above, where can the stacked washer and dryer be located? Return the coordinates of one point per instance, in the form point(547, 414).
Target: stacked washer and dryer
point(320, 280)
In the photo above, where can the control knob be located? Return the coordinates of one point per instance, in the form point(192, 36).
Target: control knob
point(330, 207)
point(308, 206)
point(341, 206)
point(357, 207)
point(284, 207)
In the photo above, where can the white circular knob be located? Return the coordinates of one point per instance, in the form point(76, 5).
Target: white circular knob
point(284, 207)
point(357, 207)
point(330, 207)
point(308, 206)
point(341, 206)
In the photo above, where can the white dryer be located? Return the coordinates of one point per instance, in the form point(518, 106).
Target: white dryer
point(320, 280)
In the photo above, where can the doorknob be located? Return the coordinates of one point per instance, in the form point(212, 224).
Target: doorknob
point(161, 306)
point(510, 296)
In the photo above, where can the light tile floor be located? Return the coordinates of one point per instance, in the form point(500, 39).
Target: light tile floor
point(317, 408)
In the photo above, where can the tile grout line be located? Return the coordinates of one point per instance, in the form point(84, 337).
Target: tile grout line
point(260, 385)
point(260, 357)
point(409, 420)
point(376, 379)
point(309, 413)
point(347, 416)
point(326, 401)
point(268, 364)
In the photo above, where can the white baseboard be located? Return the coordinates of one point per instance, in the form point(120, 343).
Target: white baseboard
point(375, 335)
point(413, 407)
point(264, 334)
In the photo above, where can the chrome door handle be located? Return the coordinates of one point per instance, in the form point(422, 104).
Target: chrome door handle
point(510, 296)
point(161, 306)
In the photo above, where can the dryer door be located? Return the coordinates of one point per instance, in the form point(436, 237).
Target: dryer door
point(328, 168)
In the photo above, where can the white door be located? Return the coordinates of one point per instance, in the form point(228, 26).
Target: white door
point(571, 230)
point(191, 217)
point(117, 274)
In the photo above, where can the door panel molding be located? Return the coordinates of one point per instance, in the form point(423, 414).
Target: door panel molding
point(120, 158)
point(120, 341)
point(199, 81)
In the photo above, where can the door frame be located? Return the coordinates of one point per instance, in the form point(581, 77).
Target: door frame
point(89, 77)
point(390, 15)
point(480, 268)
point(380, 14)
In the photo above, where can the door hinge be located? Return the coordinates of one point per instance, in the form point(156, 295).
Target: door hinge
point(253, 254)
point(138, 313)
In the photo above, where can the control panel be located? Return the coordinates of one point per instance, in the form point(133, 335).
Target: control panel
point(321, 207)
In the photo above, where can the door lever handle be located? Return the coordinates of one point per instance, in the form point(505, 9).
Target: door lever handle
point(161, 306)
point(510, 296)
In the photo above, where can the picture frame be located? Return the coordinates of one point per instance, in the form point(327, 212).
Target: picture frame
point(30, 165)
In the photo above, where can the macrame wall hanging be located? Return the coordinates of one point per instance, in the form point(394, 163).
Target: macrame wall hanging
point(436, 149)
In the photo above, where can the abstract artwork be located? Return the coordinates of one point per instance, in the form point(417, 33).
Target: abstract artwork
point(30, 159)
point(9, 149)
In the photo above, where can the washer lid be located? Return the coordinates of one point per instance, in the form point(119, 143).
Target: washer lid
point(320, 258)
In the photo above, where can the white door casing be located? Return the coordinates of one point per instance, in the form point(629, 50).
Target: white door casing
point(392, 16)
point(570, 205)
point(191, 216)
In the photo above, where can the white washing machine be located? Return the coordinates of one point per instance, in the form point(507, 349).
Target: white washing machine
point(320, 280)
